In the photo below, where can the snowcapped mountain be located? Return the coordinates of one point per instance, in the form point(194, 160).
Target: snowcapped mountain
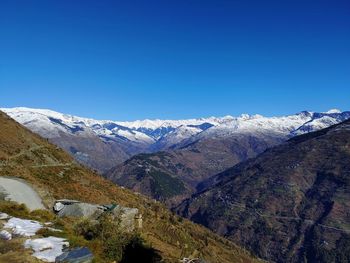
point(105, 143)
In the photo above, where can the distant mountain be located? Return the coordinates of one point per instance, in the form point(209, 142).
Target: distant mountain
point(191, 162)
point(289, 204)
point(103, 144)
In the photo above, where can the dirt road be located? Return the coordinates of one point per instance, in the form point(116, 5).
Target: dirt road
point(20, 192)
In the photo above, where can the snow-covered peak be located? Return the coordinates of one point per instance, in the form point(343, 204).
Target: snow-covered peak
point(50, 124)
point(157, 123)
point(178, 135)
point(333, 111)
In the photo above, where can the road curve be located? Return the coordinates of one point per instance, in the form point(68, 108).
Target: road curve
point(18, 191)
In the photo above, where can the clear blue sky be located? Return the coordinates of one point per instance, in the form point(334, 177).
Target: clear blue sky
point(127, 60)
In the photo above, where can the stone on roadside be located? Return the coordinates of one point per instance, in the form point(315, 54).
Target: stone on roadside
point(78, 255)
point(4, 216)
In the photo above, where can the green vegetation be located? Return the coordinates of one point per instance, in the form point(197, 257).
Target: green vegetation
point(114, 243)
point(164, 185)
point(319, 251)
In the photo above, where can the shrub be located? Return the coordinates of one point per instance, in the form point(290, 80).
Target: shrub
point(107, 231)
point(114, 246)
point(137, 251)
point(117, 245)
point(87, 229)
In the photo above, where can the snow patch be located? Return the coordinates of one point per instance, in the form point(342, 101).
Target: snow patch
point(23, 227)
point(5, 235)
point(333, 111)
point(48, 248)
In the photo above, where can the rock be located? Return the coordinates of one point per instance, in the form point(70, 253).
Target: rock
point(4, 216)
point(5, 235)
point(58, 206)
point(138, 220)
point(78, 255)
point(77, 209)
point(126, 215)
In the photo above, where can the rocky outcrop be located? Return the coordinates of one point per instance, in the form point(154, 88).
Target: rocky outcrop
point(129, 217)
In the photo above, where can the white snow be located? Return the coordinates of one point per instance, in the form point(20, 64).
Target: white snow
point(155, 124)
point(180, 134)
point(5, 235)
point(317, 124)
point(133, 135)
point(258, 124)
point(333, 111)
point(139, 132)
point(22, 227)
point(46, 249)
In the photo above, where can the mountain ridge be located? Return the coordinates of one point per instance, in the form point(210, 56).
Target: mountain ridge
point(289, 204)
point(115, 141)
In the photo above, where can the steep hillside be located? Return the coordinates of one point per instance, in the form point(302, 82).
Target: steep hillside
point(174, 175)
point(55, 175)
point(290, 204)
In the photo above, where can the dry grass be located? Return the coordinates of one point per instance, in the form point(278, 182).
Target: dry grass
point(13, 251)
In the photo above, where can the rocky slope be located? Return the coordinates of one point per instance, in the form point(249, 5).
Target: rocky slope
point(289, 204)
point(103, 144)
point(54, 175)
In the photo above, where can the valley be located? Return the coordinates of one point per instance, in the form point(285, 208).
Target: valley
point(168, 160)
point(272, 191)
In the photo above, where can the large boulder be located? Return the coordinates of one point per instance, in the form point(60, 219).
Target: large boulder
point(126, 216)
point(74, 208)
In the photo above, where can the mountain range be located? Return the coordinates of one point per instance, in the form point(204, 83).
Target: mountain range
point(289, 204)
point(168, 160)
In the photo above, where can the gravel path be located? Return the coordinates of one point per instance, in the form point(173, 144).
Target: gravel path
point(20, 192)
